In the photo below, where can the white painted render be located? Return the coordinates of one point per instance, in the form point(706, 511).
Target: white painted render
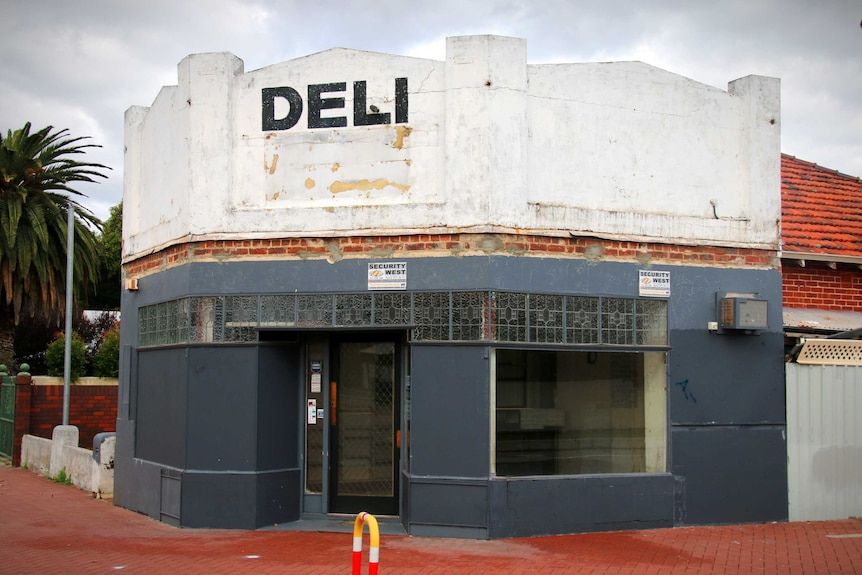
point(622, 150)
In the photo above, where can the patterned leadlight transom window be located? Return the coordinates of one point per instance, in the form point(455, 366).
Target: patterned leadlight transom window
point(432, 316)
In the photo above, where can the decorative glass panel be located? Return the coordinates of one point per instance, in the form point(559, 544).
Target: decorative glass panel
point(159, 325)
point(546, 318)
point(314, 310)
point(203, 318)
point(392, 309)
point(143, 327)
point(240, 313)
point(618, 321)
point(651, 322)
point(277, 310)
point(353, 310)
point(510, 316)
point(469, 316)
point(432, 316)
point(436, 316)
point(173, 322)
point(582, 319)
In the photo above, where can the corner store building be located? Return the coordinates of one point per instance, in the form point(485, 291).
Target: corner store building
point(476, 294)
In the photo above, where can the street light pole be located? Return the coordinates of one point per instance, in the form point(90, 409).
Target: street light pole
point(67, 357)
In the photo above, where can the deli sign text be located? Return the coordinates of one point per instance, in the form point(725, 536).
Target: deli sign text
point(325, 97)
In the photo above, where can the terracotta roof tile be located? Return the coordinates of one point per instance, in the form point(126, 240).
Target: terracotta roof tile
point(821, 209)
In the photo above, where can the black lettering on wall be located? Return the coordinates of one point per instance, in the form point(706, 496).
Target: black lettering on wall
point(400, 100)
point(360, 117)
point(269, 121)
point(316, 103)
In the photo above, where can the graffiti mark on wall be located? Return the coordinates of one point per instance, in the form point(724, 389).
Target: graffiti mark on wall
point(683, 385)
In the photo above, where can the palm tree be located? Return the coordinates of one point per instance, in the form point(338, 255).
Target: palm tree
point(36, 174)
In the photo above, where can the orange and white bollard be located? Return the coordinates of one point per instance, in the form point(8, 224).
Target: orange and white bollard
point(373, 551)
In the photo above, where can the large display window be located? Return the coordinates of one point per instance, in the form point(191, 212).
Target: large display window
point(579, 412)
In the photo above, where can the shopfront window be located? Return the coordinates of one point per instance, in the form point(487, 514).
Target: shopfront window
point(579, 412)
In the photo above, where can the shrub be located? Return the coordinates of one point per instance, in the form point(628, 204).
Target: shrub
point(107, 360)
point(55, 357)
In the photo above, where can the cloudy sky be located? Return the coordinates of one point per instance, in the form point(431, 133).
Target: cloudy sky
point(78, 64)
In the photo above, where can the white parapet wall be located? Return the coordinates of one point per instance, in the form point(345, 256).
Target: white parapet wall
point(346, 143)
point(61, 455)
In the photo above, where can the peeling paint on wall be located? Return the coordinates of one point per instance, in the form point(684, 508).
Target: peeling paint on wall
point(274, 164)
point(309, 183)
point(338, 186)
point(401, 132)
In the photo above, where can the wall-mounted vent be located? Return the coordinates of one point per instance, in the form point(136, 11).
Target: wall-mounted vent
point(742, 312)
point(831, 352)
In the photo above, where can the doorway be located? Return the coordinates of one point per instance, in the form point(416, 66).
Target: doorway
point(364, 425)
point(352, 448)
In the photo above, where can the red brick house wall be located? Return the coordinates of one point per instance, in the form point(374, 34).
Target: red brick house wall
point(820, 287)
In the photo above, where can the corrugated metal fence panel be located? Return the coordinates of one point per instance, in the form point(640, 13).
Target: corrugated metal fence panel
point(824, 441)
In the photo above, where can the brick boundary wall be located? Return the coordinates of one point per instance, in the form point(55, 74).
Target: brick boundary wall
point(820, 287)
point(39, 408)
point(92, 409)
point(431, 245)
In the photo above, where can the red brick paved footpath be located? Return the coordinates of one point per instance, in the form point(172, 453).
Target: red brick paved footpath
point(47, 528)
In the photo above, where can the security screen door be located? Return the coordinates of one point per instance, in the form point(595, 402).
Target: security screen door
point(364, 424)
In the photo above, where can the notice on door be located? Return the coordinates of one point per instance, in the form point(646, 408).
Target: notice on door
point(387, 276)
point(312, 412)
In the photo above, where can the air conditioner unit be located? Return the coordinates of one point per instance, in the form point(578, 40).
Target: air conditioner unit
point(742, 312)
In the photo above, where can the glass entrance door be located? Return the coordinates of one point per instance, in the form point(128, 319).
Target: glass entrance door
point(364, 422)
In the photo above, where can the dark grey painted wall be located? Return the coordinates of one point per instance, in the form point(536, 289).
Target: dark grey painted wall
point(540, 274)
point(279, 405)
point(450, 427)
point(162, 405)
point(449, 441)
point(725, 397)
point(727, 406)
point(222, 409)
point(279, 390)
point(544, 506)
point(730, 474)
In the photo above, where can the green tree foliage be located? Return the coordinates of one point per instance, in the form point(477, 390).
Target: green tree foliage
point(92, 332)
point(105, 294)
point(32, 337)
point(107, 361)
point(55, 357)
point(37, 172)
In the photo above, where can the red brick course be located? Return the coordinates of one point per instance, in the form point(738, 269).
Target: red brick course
point(818, 286)
point(448, 244)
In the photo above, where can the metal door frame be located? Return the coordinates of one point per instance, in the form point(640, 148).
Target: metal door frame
point(320, 343)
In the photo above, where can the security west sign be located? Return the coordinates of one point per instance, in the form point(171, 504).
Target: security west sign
point(654, 283)
point(387, 276)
